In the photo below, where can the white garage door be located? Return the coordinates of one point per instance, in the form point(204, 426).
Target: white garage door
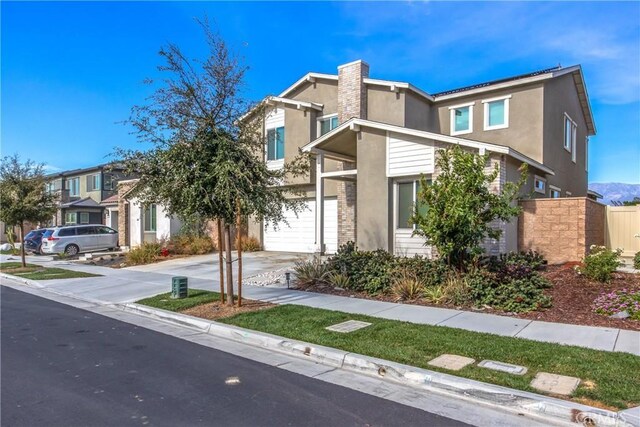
point(300, 234)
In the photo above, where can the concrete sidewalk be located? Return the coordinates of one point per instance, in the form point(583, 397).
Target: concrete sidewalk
point(131, 284)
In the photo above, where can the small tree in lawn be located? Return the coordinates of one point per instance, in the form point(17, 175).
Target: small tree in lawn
point(206, 156)
point(459, 205)
point(23, 197)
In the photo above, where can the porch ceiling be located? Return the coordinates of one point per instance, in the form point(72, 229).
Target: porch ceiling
point(343, 143)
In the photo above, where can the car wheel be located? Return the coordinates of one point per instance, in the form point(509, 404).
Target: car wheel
point(71, 250)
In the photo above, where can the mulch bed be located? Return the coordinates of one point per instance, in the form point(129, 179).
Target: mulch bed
point(572, 296)
point(215, 310)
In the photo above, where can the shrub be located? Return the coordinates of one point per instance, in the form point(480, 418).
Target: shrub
point(456, 289)
point(614, 302)
point(531, 259)
point(406, 286)
point(338, 280)
point(430, 272)
point(600, 263)
point(189, 244)
point(250, 244)
point(143, 254)
point(311, 271)
point(368, 271)
point(434, 294)
point(636, 261)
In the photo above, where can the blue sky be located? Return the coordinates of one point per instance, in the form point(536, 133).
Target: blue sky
point(71, 71)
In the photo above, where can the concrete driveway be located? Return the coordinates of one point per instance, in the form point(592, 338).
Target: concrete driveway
point(132, 283)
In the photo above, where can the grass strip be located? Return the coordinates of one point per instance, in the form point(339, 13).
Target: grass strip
point(37, 272)
point(194, 298)
point(609, 380)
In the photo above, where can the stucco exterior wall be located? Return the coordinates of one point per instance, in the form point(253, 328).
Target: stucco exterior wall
point(374, 203)
point(525, 130)
point(385, 106)
point(417, 112)
point(561, 229)
point(322, 91)
point(560, 96)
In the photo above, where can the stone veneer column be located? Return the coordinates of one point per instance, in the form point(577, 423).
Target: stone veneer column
point(352, 102)
point(123, 213)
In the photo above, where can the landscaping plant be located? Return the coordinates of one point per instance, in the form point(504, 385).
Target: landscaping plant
point(460, 205)
point(311, 271)
point(338, 280)
point(636, 261)
point(250, 244)
point(406, 286)
point(144, 254)
point(614, 302)
point(600, 263)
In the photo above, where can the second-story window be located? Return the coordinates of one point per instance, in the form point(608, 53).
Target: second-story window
point(93, 182)
point(570, 131)
point(275, 143)
point(461, 119)
point(73, 185)
point(539, 185)
point(496, 113)
point(327, 124)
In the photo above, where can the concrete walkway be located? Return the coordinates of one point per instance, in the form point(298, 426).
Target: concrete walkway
point(131, 284)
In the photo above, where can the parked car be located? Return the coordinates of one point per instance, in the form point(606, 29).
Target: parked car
point(33, 240)
point(74, 239)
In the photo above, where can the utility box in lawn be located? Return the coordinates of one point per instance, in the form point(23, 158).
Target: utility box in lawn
point(179, 287)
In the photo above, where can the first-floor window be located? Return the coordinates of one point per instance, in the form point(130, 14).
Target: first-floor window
point(84, 217)
point(150, 218)
point(407, 200)
point(275, 143)
point(539, 185)
point(554, 192)
point(71, 218)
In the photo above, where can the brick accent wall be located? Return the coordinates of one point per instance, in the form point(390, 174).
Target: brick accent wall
point(561, 229)
point(352, 102)
point(123, 213)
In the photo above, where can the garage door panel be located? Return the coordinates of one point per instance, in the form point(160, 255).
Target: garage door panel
point(300, 234)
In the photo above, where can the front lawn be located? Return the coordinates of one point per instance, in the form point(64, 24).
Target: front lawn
point(610, 380)
point(37, 272)
point(195, 297)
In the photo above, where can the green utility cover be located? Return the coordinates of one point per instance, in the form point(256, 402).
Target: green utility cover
point(179, 287)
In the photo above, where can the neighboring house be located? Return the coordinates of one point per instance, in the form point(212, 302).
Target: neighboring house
point(81, 193)
point(138, 223)
point(15, 230)
point(371, 140)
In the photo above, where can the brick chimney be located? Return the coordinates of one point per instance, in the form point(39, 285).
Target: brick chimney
point(352, 102)
point(352, 94)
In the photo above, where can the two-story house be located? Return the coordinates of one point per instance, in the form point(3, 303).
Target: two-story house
point(82, 193)
point(372, 139)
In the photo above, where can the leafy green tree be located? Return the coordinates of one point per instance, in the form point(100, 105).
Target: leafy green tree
point(23, 197)
point(206, 155)
point(459, 206)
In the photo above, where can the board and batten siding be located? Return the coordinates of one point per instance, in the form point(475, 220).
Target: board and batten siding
point(409, 156)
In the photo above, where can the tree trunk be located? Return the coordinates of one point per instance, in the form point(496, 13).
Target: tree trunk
point(221, 259)
point(229, 266)
point(239, 249)
point(24, 262)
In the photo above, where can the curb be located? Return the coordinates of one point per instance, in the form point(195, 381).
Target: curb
point(34, 284)
point(539, 406)
point(22, 280)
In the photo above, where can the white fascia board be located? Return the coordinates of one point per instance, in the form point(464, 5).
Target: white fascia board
point(296, 103)
point(342, 173)
point(306, 78)
point(402, 85)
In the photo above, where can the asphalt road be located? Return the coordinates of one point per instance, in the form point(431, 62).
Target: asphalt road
point(62, 366)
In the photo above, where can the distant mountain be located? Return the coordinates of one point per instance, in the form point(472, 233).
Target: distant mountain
point(615, 191)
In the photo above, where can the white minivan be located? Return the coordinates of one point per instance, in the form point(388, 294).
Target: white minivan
point(74, 239)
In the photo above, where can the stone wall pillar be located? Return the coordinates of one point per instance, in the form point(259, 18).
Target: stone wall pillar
point(352, 103)
point(123, 212)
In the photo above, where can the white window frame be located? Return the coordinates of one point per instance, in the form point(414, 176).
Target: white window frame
point(84, 215)
point(452, 117)
point(321, 119)
point(95, 182)
point(554, 189)
point(574, 131)
point(537, 179)
point(77, 186)
point(486, 103)
point(150, 226)
point(274, 164)
point(415, 180)
point(568, 193)
point(68, 214)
